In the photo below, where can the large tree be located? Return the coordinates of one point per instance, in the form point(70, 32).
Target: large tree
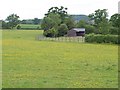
point(115, 20)
point(61, 11)
point(101, 21)
point(53, 20)
point(104, 27)
point(62, 30)
point(69, 22)
point(99, 16)
point(13, 20)
point(5, 25)
point(56, 19)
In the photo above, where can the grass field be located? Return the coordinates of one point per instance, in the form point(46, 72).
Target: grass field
point(29, 26)
point(0, 59)
point(28, 63)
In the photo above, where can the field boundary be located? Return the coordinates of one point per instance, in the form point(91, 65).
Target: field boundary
point(78, 39)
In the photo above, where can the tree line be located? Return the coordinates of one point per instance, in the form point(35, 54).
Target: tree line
point(57, 22)
point(12, 21)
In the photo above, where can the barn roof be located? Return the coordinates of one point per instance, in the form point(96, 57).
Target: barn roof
point(79, 29)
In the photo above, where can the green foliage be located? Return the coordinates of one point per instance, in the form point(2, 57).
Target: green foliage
point(18, 27)
point(81, 24)
point(69, 22)
point(101, 22)
point(62, 30)
point(92, 38)
point(99, 16)
point(34, 21)
point(114, 30)
point(55, 17)
point(104, 27)
point(61, 11)
point(58, 19)
point(89, 29)
point(48, 23)
point(77, 18)
point(12, 20)
point(5, 25)
point(115, 19)
point(50, 33)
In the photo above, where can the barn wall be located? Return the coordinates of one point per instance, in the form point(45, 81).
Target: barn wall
point(71, 33)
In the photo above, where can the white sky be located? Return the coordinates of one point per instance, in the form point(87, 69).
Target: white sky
point(28, 9)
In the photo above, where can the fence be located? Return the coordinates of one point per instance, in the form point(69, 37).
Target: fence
point(61, 39)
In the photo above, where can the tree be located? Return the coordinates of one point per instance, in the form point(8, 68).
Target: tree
point(81, 24)
point(53, 20)
point(101, 21)
point(99, 16)
point(23, 22)
point(115, 20)
point(12, 20)
point(114, 30)
point(104, 27)
point(55, 17)
point(69, 22)
point(50, 33)
point(58, 19)
point(89, 29)
point(62, 30)
point(61, 11)
point(18, 27)
point(47, 23)
point(36, 21)
point(5, 25)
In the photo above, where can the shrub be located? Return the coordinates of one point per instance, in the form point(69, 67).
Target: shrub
point(98, 38)
point(18, 27)
point(62, 30)
point(50, 33)
point(114, 30)
point(89, 29)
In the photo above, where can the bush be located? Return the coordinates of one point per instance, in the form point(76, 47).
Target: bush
point(114, 30)
point(92, 38)
point(5, 25)
point(18, 27)
point(89, 29)
point(50, 33)
point(62, 30)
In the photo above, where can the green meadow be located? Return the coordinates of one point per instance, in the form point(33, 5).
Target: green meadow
point(29, 26)
point(28, 63)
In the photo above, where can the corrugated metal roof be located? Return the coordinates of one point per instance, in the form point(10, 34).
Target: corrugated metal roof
point(79, 29)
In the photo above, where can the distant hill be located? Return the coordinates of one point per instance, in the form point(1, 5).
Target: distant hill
point(77, 18)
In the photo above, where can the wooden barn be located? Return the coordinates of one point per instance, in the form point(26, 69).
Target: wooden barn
point(76, 32)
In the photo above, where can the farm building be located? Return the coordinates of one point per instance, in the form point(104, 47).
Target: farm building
point(76, 32)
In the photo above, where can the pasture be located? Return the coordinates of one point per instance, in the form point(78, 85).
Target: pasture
point(29, 26)
point(28, 63)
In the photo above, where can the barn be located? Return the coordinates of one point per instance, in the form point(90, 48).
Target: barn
point(76, 32)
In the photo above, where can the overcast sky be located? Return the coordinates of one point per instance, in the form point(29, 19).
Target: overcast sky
point(28, 9)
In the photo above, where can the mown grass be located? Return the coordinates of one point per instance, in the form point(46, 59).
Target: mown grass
point(28, 63)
